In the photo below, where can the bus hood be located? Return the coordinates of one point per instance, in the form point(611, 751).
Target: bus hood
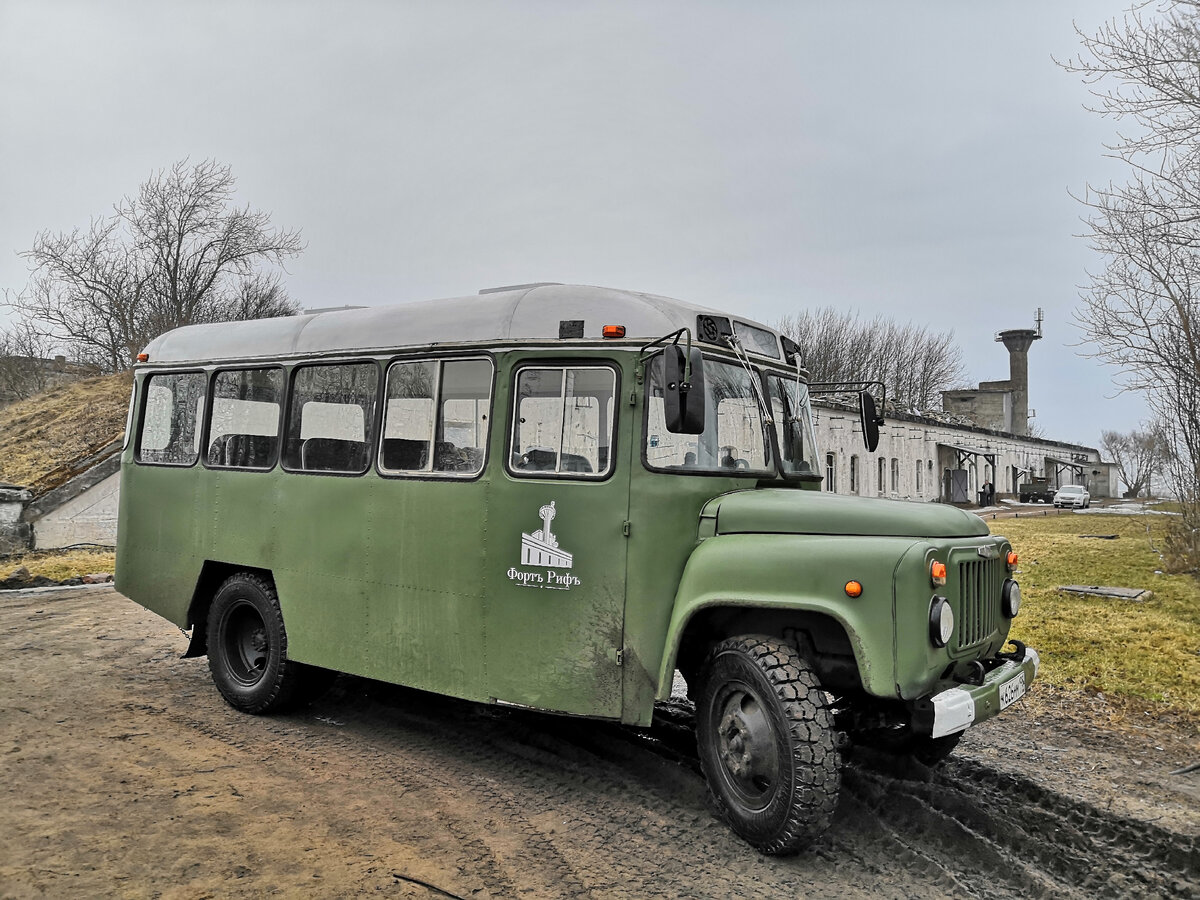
point(790, 511)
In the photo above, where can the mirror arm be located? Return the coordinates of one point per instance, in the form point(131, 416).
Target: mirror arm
point(645, 354)
point(833, 387)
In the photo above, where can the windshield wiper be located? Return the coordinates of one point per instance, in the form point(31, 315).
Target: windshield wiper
point(740, 353)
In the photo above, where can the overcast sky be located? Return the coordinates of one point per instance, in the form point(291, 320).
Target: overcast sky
point(912, 159)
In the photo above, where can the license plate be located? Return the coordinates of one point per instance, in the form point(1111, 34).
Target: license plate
point(1012, 691)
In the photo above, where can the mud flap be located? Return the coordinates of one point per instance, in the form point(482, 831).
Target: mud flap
point(197, 644)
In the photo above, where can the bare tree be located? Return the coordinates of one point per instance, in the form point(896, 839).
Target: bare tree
point(24, 367)
point(915, 363)
point(1141, 309)
point(178, 253)
point(1138, 455)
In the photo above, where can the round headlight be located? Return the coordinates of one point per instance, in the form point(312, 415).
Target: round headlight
point(941, 622)
point(1010, 598)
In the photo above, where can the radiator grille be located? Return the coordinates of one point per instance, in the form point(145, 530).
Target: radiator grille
point(979, 582)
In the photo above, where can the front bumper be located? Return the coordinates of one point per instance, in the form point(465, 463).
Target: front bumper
point(958, 708)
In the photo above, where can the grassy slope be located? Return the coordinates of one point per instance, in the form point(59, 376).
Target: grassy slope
point(1148, 650)
point(41, 437)
point(60, 565)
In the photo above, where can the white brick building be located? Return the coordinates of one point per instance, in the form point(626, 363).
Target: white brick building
point(924, 459)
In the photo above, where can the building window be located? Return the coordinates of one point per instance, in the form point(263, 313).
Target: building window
point(895, 475)
point(830, 471)
point(918, 476)
point(854, 474)
point(882, 476)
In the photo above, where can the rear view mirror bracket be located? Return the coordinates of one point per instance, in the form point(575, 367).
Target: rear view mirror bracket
point(683, 381)
point(870, 417)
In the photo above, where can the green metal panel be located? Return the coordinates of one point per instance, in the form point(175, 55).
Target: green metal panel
point(803, 573)
point(553, 635)
point(383, 577)
point(782, 511)
point(919, 663)
point(160, 522)
point(664, 511)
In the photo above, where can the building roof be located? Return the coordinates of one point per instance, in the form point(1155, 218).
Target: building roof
point(525, 312)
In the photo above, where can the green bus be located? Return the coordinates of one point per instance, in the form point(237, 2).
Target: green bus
point(558, 497)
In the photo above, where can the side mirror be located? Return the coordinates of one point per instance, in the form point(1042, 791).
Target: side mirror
point(683, 396)
point(870, 419)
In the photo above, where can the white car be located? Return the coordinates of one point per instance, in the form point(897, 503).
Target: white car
point(1072, 495)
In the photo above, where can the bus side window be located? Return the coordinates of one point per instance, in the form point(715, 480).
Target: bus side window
point(436, 417)
point(170, 429)
point(563, 421)
point(329, 417)
point(243, 430)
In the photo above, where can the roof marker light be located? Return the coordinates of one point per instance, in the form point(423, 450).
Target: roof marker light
point(614, 331)
point(143, 357)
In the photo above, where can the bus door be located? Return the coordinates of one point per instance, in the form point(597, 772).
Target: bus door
point(556, 544)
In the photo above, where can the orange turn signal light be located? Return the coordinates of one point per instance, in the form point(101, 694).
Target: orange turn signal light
point(1012, 559)
point(853, 589)
point(937, 572)
point(143, 357)
point(614, 331)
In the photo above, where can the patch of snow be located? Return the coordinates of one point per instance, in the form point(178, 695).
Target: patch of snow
point(1130, 509)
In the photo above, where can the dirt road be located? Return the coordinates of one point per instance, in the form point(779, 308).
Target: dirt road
point(125, 775)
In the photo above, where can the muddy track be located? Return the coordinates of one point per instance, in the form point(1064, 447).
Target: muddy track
point(1021, 839)
point(124, 773)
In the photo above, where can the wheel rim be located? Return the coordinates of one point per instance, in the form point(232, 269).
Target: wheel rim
point(245, 643)
point(747, 746)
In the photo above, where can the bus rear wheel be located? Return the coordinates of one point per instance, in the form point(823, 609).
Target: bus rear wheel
point(767, 743)
point(247, 648)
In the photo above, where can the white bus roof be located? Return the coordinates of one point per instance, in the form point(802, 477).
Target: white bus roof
point(526, 312)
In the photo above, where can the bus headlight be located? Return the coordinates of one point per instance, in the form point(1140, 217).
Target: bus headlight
point(941, 621)
point(1010, 599)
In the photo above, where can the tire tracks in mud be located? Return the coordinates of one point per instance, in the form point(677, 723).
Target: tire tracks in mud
point(995, 834)
point(530, 805)
point(965, 828)
point(523, 804)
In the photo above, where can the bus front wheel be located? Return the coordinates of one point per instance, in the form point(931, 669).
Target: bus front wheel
point(247, 647)
point(767, 743)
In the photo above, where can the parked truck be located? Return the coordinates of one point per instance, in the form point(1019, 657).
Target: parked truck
point(1036, 490)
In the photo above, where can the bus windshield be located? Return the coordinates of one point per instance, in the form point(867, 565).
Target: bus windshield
point(734, 440)
point(793, 423)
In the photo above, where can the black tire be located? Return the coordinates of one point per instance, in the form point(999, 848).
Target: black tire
point(247, 650)
point(767, 743)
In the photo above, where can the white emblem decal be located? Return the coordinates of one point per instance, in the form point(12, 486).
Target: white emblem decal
point(541, 550)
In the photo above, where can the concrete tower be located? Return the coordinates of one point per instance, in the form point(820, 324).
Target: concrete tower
point(1001, 405)
point(1018, 342)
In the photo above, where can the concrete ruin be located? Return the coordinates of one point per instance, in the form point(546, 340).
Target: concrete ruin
point(1001, 405)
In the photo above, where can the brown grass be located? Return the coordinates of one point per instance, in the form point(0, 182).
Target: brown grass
point(43, 437)
point(1147, 652)
point(60, 564)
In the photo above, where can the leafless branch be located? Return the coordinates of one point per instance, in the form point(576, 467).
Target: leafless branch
point(177, 253)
